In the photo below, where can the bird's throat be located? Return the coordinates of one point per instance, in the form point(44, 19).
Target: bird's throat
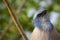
point(44, 25)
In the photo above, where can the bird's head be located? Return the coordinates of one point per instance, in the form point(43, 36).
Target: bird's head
point(41, 20)
point(40, 13)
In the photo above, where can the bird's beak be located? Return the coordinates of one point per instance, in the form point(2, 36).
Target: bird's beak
point(42, 13)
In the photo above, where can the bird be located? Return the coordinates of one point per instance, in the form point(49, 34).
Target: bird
point(43, 28)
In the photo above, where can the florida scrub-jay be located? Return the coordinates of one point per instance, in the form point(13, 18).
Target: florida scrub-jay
point(44, 30)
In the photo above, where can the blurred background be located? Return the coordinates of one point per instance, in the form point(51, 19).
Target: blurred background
point(24, 10)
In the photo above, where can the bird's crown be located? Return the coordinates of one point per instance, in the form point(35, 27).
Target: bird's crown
point(40, 12)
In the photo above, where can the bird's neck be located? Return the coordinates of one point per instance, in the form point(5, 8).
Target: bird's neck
point(44, 24)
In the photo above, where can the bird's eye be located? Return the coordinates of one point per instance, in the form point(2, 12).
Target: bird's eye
point(42, 13)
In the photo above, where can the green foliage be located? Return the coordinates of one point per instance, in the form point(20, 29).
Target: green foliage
point(25, 21)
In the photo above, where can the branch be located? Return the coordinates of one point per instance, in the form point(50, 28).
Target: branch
point(21, 6)
point(20, 29)
point(11, 22)
point(6, 30)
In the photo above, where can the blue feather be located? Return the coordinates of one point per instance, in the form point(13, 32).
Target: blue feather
point(37, 23)
point(51, 26)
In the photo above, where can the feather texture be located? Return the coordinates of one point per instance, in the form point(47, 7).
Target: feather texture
point(38, 34)
point(44, 30)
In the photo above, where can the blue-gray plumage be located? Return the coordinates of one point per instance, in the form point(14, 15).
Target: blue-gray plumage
point(41, 20)
point(44, 29)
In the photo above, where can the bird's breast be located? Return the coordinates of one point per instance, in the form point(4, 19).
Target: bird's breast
point(38, 34)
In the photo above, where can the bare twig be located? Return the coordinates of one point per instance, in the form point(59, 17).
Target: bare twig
point(20, 29)
point(6, 30)
point(11, 22)
point(15, 36)
point(21, 6)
